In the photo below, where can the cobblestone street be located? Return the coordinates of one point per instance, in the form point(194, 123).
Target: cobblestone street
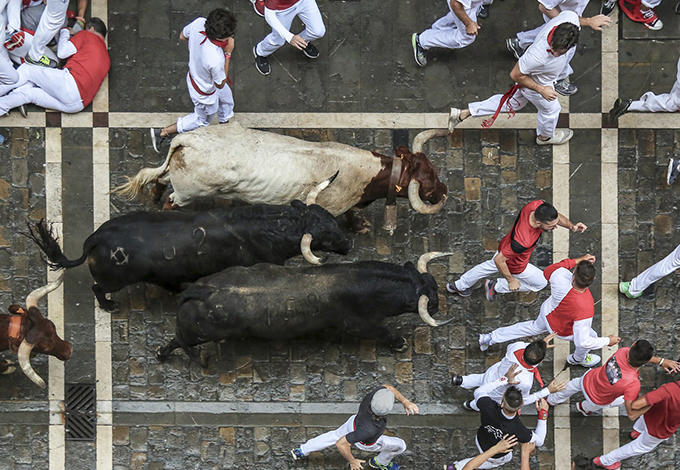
point(259, 399)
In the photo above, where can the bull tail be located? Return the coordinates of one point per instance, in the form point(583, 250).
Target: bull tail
point(44, 237)
point(133, 187)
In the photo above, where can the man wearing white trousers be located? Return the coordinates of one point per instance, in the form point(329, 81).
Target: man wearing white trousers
point(279, 14)
point(211, 42)
point(568, 313)
point(550, 9)
point(455, 30)
point(649, 276)
point(524, 358)
point(659, 413)
point(69, 89)
point(514, 251)
point(534, 75)
point(8, 76)
point(503, 419)
point(615, 383)
point(365, 431)
point(51, 21)
point(650, 102)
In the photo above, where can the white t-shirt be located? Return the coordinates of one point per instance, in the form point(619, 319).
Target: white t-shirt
point(469, 5)
point(577, 6)
point(537, 62)
point(206, 61)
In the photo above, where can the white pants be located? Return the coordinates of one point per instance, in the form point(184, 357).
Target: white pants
point(449, 31)
point(309, 13)
point(663, 103)
point(222, 105)
point(548, 111)
point(8, 76)
point(652, 274)
point(527, 38)
point(493, 373)
point(643, 444)
point(490, 463)
point(533, 328)
point(574, 386)
point(51, 21)
point(651, 3)
point(530, 280)
point(388, 447)
point(49, 88)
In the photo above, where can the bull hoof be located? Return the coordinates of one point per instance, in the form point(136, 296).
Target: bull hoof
point(404, 346)
point(162, 357)
point(110, 306)
point(204, 358)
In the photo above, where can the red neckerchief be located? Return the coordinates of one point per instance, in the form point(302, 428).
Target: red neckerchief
point(550, 36)
point(519, 354)
point(220, 44)
point(506, 97)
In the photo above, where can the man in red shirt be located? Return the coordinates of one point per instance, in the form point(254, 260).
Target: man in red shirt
point(514, 251)
point(280, 15)
point(69, 89)
point(568, 313)
point(659, 413)
point(615, 383)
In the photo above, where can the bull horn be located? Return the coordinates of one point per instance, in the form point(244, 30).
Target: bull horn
point(33, 297)
point(422, 311)
point(24, 356)
point(306, 247)
point(314, 193)
point(418, 204)
point(427, 257)
point(422, 138)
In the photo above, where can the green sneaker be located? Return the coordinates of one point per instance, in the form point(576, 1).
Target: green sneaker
point(624, 288)
point(44, 61)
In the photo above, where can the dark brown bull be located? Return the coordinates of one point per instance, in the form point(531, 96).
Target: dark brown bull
point(26, 330)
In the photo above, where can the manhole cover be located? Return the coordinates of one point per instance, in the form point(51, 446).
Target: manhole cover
point(80, 412)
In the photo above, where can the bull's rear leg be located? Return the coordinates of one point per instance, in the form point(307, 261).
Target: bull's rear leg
point(106, 304)
point(169, 205)
point(162, 353)
point(378, 333)
point(357, 222)
point(158, 191)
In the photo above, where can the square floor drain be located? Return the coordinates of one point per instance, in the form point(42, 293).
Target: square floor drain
point(81, 418)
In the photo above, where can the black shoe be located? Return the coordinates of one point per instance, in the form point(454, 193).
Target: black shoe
point(673, 170)
point(156, 139)
point(262, 64)
point(620, 108)
point(44, 61)
point(454, 290)
point(608, 7)
point(484, 12)
point(311, 51)
point(466, 405)
point(513, 46)
point(457, 380)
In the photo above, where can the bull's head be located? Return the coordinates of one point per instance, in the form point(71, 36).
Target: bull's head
point(322, 231)
point(36, 333)
point(420, 176)
point(428, 301)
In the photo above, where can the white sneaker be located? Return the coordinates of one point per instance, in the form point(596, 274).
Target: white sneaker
point(454, 118)
point(484, 341)
point(562, 136)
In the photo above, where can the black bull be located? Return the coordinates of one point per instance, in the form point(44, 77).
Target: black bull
point(170, 248)
point(276, 302)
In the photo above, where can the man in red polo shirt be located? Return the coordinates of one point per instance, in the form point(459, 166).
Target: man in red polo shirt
point(659, 413)
point(568, 313)
point(72, 88)
point(615, 383)
point(514, 251)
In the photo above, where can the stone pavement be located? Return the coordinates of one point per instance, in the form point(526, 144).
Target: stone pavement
point(259, 399)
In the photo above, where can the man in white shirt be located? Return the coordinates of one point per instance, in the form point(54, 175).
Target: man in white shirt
point(211, 42)
point(455, 30)
point(550, 9)
point(534, 74)
point(525, 357)
point(568, 313)
point(8, 76)
point(280, 14)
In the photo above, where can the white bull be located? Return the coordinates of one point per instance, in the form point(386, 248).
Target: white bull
point(267, 168)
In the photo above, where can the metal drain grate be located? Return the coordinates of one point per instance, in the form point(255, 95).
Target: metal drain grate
point(81, 416)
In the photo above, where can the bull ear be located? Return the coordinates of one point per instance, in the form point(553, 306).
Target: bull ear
point(16, 309)
point(409, 265)
point(298, 204)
